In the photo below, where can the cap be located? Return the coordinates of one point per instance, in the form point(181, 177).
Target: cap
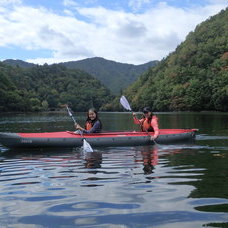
point(146, 110)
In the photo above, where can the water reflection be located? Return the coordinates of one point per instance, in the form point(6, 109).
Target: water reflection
point(149, 158)
point(93, 160)
point(118, 186)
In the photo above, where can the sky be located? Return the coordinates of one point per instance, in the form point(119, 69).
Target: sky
point(126, 31)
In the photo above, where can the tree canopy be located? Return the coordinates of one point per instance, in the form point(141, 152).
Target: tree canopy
point(43, 88)
point(194, 77)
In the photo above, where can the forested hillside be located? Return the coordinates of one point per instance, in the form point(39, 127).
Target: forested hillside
point(18, 63)
point(43, 88)
point(116, 76)
point(194, 77)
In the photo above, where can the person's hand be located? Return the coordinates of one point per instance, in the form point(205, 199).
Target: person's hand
point(77, 126)
point(134, 114)
point(153, 137)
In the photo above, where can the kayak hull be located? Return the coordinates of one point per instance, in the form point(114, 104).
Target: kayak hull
point(71, 139)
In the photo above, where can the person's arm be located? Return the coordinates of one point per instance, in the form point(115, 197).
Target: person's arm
point(78, 127)
point(136, 120)
point(154, 124)
point(95, 129)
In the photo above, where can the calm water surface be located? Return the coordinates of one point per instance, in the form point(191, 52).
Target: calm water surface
point(165, 186)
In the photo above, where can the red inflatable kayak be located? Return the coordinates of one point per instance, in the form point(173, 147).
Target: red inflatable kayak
point(71, 139)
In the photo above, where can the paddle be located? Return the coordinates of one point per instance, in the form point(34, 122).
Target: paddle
point(126, 105)
point(86, 146)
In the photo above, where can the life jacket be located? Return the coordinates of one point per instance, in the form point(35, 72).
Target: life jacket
point(88, 125)
point(146, 125)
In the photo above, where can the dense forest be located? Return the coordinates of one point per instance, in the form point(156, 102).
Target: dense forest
point(44, 88)
point(115, 76)
point(194, 77)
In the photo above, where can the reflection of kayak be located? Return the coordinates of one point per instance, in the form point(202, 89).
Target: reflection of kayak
point(71, 139)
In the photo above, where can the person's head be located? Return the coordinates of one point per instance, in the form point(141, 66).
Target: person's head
point(147, 112)
point(92, 114)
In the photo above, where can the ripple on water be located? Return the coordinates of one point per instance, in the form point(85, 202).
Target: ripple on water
point(134, 186)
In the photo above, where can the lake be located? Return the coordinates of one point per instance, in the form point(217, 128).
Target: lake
point(164, 186)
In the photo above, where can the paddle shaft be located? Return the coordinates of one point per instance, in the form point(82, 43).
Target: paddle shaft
point(86, 146)
point(70, 114)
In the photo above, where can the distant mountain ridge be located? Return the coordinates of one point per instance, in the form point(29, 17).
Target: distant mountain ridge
point(19, 63)
point(116, 76)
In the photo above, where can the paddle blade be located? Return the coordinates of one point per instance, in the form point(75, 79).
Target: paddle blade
point(125, 103)
point(86, 146)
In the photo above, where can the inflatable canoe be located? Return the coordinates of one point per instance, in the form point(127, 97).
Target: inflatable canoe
point(71, 139)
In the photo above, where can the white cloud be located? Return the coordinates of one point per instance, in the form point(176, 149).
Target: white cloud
point(137, 4)
point(70, 3)
point(115, 35)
